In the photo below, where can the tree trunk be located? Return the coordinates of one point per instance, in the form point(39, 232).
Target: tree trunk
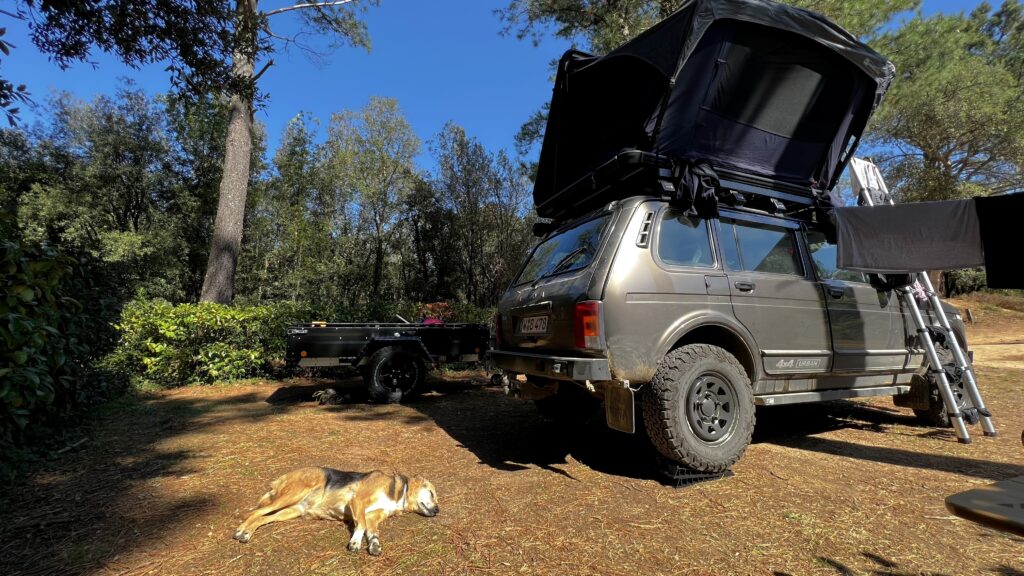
point(219, 282)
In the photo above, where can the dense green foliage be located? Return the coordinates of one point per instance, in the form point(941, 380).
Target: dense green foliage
point(172, 345)
point(964, 281)
point(601, 25)
point(351, 221)
point(56, 315)
point(166, 345)
point(127, 179)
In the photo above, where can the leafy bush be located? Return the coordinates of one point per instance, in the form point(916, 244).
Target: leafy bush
point(964, 281)
point(174, 345)
point(56, 314)
point(168, 345)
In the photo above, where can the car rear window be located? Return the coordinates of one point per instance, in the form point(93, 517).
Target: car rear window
point(684, 241)
point(568, 250)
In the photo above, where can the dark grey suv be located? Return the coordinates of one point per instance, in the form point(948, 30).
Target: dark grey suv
point(705, 318)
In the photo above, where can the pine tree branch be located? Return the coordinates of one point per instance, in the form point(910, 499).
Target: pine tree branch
point(306, 5)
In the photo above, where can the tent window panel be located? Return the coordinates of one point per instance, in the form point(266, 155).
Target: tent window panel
point(779, 86)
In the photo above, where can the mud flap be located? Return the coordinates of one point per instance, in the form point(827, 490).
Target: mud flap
point(619, 409)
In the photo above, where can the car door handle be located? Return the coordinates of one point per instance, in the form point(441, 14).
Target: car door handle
point(744, 286)
point(836, 292)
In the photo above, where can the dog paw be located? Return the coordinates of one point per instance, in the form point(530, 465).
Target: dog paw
point(374, 548)
point(354, 546)
point(242, 536)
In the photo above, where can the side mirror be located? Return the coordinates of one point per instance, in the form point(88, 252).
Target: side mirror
point(542, 229)
point(889, 281)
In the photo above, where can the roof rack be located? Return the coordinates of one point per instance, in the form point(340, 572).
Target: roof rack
point(638, 173)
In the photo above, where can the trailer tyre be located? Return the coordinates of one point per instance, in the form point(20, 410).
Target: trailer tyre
point(392, 374)
point(699, 408)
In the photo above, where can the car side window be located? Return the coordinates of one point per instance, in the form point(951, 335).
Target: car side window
point(823, 254)
point(684, 241)
point(755, 247)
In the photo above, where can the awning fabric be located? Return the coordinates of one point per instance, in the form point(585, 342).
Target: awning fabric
point(942, 235)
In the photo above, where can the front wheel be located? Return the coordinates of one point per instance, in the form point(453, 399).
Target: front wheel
point(392, 374)
point(699, 408)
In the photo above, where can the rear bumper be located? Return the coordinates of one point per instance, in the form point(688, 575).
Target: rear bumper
point(555, 367)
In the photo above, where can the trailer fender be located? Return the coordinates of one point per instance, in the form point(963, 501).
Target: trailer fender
point(409, 343)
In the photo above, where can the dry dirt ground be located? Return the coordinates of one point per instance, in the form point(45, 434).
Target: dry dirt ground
point(839, 489)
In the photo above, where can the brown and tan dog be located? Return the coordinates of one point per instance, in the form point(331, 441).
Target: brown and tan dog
point(365, 499)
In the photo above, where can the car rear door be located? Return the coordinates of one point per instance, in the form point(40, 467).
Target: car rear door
point(868, 331)
point(773, 295)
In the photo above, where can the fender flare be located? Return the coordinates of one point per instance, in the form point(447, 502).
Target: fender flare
point(409, 343)
point(688, 324)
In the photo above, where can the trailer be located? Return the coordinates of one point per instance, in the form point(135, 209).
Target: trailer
point(393, 357)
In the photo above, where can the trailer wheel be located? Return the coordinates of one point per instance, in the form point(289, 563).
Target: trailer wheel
point(699, 408)
point(392, 374)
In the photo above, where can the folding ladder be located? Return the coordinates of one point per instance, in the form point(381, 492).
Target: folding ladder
point(870, 188)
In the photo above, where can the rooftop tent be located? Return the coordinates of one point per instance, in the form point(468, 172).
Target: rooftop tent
point(750, 86)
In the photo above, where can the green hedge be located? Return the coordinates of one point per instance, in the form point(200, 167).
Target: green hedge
point(173, 345)
point(56, 316)
point(169, 345)
point(965, 281)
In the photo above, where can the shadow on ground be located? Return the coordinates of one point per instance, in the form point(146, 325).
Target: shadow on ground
point(797, 427)
point(511, 435)
point(75, 514)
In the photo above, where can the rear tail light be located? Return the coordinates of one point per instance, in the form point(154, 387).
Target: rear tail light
point(587, 325)
point(497, 329)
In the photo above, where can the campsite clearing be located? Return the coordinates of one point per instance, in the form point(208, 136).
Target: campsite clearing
point(838, 488)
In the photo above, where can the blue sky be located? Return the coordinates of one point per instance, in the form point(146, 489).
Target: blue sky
point(441, 59)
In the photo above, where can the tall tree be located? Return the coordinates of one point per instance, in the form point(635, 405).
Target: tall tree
point(210, 47)
point(601, 25)
point(253, 37)
point(101, 177)
point(953, 122)
point(487, 196)
point(372, 151)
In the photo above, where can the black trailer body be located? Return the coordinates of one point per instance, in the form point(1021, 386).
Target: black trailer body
point(393, 357)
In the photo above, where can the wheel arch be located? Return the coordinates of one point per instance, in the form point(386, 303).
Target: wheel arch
point(732, 339)
point(412, 345)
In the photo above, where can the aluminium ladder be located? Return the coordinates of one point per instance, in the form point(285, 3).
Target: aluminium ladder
point(870, 188)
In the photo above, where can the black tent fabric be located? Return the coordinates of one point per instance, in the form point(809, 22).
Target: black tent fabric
point(746, 85)
point(899, 238)
point(999, 219)
point(941, 235)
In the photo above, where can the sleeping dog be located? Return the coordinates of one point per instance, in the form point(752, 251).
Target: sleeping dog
point(365, 499)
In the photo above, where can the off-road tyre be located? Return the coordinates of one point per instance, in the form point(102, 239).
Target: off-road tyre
point(393, 374)
point(569, 406)
point(709, 372)
point(935, 415)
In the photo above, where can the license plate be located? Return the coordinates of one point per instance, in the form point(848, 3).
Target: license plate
point(533, 325)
